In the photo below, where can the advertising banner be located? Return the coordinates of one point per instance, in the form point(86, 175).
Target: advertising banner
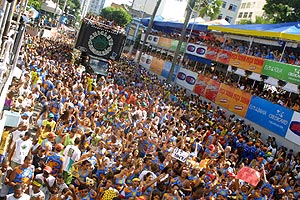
point(224, 95)
point(246, 62)
point(224, 56)
point(212, 89)
point(157, 65)
point(201, 84)
point(212, 53)
point(100, 42)
point(146, 61)
point(271, 116)
point(196, 50)
point(293, 132)
point(186, 79)
point(282, 71)
point(152, 39)
point(175, 44)
point(167, 68)
point(165, 43)
point(239, 102)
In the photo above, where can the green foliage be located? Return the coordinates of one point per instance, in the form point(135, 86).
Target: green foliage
point(118, 15)
point(280, 11)
point(210, 8)
point(37, 4)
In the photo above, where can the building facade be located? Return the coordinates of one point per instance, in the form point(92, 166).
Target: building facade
point(235, 10)
point(250, 9)
point(170, 9)
point(96, 6)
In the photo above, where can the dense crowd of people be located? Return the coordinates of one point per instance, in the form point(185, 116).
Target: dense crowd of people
point(114, 138)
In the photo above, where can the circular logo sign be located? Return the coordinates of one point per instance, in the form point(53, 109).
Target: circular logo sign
point(100, 43)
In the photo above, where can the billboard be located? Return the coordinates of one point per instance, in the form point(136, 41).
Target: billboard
point(273, 117)
point(246, 62)
point(100, 42)
point(282, 71)
point(167, 68)
point(239, 102)
point(186, 78)
point(224, 95)
point(196, 50)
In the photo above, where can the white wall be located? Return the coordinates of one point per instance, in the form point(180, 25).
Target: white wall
point(254, 6)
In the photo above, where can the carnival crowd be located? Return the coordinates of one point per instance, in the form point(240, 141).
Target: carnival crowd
point(114, 137)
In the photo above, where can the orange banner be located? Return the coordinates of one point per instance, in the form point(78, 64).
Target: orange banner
point(224, 95)
point(157, 65)
point(165, 43)
point(224, 56)
point(246, 62)
point(212, 89)
point(239, 102)
point(201, 84)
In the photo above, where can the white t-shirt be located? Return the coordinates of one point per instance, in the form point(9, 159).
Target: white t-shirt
point(71, 155)
point(23, 197)
point(36, 195)
point(16, 135)
point(21, 151)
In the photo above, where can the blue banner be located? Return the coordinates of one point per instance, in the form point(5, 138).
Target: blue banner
point(271, 116)
point(166, 70)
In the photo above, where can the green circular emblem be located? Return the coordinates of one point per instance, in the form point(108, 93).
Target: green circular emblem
point(100, 43)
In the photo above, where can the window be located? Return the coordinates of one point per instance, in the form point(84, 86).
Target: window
point(229, 19)
point(245, 14)
point(243, 5)
point(232, 7)
point(220, 16)
point(250, 14)
point(224, 4)
point(240, 15)
point(248, 5)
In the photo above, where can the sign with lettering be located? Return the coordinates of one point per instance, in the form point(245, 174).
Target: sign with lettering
point(282, 71)
point(246, 62)
point(224, 95)
point(180, 154)
point(248, 175)
point(273, 117)
point(239, 102)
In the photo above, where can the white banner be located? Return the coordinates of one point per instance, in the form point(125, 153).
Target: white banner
point(293, 132)
point(196, 50)
point(146, 61)
point(180, 154)
point(186, 79)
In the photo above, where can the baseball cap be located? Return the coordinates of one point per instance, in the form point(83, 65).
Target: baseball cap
point(51, 135)
point(51, 115)
point(48, 169)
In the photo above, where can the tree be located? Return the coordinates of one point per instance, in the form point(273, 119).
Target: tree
point(209, 8)
point(280, 11)
point(37, 4)
point(119, 15)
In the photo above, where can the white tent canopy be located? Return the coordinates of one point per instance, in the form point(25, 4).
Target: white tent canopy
point(50, 6)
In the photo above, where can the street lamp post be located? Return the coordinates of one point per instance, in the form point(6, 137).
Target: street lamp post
point(148, 29)
point(189, 8)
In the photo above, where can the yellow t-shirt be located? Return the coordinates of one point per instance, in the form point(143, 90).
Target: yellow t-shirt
point(4, 142)
point(52, 124)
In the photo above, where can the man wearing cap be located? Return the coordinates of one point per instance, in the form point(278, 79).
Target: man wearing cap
point(35, 192)
point(47, 181)
point(55, 160)
point(49, 121)
point(20, 150)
